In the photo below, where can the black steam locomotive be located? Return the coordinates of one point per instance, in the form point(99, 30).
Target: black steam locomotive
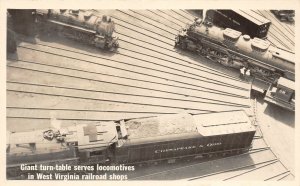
point(80, 25)
point(153, 139)
point(230, 48)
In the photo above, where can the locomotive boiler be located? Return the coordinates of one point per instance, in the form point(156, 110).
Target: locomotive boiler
point(164, 138)
point(230, 48)
point(80, 25)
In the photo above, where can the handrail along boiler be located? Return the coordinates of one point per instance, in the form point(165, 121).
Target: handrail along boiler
point(80, 25)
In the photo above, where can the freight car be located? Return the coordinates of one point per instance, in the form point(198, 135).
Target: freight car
point(284, 15)
point(230, 48)
point(153, 139)
point(246, 21)
point(80, 25)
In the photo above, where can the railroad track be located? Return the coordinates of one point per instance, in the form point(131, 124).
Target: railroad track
point(200, 88)
point(254, 169)
point(200, 77)
point(279, 31)
point(200, 166)
point(72, 82)
point(286, 171)
point(155, 40)
point(21, 83)
point(63, 69)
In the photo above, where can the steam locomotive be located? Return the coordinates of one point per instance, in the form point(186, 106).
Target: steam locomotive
point(80, 25)
point(230, 48)
point(152, 139)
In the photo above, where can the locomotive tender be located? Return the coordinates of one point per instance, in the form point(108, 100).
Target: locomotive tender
point(152, 139)
point(80, 25)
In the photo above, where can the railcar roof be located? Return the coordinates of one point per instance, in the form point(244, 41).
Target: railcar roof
point(223, 123)
point(253, 16)
point(20, 142)
point(24, 137)
point(96, 135)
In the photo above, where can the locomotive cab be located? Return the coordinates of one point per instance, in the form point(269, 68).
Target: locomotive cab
point(283, 94)
point(96, 142)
